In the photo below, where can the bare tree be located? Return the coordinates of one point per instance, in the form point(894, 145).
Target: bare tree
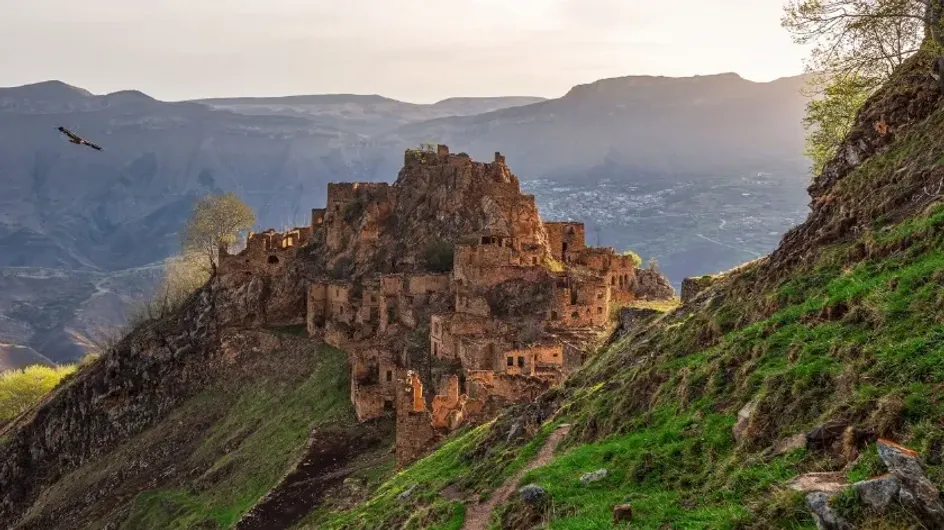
point(867, 38)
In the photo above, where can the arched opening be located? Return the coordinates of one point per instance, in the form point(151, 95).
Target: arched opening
point(273, 260)
point(563, 248)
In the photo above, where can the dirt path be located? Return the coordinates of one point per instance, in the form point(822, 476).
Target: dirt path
point(478, 515)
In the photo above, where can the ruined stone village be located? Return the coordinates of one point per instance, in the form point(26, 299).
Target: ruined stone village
point(449, 294)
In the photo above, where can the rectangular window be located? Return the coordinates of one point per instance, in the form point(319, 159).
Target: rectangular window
point(389, 376)
point(520, 362)
point(511, 361)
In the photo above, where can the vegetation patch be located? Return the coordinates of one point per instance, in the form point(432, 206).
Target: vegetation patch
point(261, 430)
point(23, 388)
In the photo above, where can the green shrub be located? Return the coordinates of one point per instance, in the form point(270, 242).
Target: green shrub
point(636, 258)
point(21, 389)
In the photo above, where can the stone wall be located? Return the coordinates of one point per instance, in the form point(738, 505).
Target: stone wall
point(565, 239)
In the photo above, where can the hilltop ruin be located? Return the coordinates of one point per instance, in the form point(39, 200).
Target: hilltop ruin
point(450, 295)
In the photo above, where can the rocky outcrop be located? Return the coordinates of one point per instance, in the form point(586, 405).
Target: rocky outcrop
point(692, 287)
point(148, 373)
point(826, 518)
point(653, 285)
point(916, 492)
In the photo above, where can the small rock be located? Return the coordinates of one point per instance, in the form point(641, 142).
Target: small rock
point(594, 476)
point(829, 482)
point(822, 437)
point(514, 432)
point(879, 492)
point(406, 494)
point(744, 418)
point(826, 518)
point(917, 492)
point(532, 494)
point(622, 512)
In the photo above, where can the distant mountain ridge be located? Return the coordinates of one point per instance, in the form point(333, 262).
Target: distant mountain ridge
point(77, 210)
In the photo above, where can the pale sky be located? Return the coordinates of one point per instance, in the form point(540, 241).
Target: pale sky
point(413, 50)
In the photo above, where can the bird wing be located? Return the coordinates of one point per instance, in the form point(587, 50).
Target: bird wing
point(70, 134)
point(93, 146)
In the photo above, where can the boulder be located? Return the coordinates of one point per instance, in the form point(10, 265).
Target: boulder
point(917, 492)
point(594, 476)
point(532, 494)
point(826, 518)
point(622, 512)
point(879, 492)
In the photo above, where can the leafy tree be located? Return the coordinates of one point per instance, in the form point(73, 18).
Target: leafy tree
point(215, 223)
point(21, 389)
point(857, 44)
point(829, 117)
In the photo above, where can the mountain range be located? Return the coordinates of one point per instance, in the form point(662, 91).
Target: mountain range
point(698, 172)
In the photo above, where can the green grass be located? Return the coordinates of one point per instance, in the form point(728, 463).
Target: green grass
point(425, 507)
point(262, 432)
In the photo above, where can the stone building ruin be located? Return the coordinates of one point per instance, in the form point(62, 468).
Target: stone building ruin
point(521, 302)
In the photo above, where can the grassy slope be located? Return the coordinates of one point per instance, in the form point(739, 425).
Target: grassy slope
point(268, 424)
point(215, 456)
point(854, 332)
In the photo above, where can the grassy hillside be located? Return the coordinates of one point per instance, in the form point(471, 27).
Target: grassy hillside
point(218, 454)
point(843, 323)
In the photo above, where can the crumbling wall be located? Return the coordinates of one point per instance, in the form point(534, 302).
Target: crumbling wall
point(565, 239)
point(415, 431)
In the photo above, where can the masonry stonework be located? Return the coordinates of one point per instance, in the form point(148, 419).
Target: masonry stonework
point(433, 349)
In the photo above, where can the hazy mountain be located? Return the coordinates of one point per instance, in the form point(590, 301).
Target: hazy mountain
point(361, 114)
point(13, 356)
point(629, 126)
point(701, 172)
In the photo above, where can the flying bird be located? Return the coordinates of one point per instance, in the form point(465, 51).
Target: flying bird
point(76, 139)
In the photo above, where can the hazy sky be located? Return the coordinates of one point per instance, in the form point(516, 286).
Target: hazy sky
point(415, 50)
